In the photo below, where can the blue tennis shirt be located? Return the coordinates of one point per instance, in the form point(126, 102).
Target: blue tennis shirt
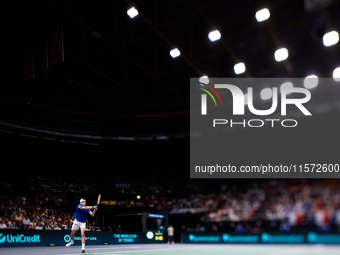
point(81, 214)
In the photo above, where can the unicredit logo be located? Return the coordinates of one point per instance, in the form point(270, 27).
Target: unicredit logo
point(19, 238)
point(2, 238)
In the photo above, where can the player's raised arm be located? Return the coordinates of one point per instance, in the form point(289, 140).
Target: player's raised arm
point(89, 207)
point(94, 211)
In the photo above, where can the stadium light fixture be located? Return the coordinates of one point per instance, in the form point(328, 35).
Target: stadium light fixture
point(336, 74)
point(132, 12)
point(239, 68)
point(266, 93)
point(262, 15)
point(281, 54)
point(175, 53)
point(311, 81)
point(214, 35)
point(330, 38)
point(286, 85)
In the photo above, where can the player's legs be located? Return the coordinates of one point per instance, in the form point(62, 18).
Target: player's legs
point(82, 235)
point(82, 230)
point(73, 232)
point(75, 227)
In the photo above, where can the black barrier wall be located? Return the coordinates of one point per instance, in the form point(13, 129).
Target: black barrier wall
point(264, 238)
point(28, 238)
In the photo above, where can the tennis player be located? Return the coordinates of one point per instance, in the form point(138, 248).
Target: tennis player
point(80, 222)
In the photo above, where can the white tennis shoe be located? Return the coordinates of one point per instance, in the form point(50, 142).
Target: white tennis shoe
point(69, 244)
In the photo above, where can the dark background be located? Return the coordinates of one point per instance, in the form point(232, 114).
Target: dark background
point(116, 105)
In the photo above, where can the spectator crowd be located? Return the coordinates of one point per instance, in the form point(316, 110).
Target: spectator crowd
point(293, 202)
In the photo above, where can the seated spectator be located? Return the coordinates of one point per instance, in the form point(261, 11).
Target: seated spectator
point(3, 224)
point(24, 200)
point(33, 224)
point(257, 228)
point(57, 226)
point(60, 225)
point(9, 222)
point(14, 225)
point(285, 226)
point(325, 227)
point(39, 226)
point(248, 228)
point(64, 225)
point(48, 226)
point(200, 228)
point(26, 221)
point(214, 228)
point(239, 228)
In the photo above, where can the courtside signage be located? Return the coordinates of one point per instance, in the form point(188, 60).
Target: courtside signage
point(30, 238)
point(19, 238)
point(264, 238)
point(126, 238)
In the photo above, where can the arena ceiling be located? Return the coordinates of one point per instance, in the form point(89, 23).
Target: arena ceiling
point(113, 75)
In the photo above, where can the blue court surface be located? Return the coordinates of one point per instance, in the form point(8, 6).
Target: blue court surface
point(180, 249)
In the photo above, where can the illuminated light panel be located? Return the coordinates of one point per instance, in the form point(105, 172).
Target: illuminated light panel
point(281, 54)
point(175, 53)
point(132, 12)
point(239, 68)
point(262, 15)
point(330, 38)
point(214, 35)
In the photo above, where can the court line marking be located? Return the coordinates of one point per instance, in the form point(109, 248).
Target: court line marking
point(118, 252)
point(293, 251)
point(113, 248)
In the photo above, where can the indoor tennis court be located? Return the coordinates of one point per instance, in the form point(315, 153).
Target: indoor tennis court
point(181, 249)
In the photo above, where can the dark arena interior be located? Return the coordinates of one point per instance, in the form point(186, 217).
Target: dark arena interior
point(94, 100)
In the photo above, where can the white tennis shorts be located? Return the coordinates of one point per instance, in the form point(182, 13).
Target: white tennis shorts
point(76, 225)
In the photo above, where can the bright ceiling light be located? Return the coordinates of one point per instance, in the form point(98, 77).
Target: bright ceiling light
point(330, 38)
point(214, 35)
point(132, 12)
point(239, 68)
point(281, 54)
point(262, 15)
point(336, 74)
point(266, 93)
point(175, 53)
point(311, 81)
point(286, 86)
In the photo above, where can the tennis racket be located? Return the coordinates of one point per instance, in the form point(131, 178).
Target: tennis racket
point(98, 199)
